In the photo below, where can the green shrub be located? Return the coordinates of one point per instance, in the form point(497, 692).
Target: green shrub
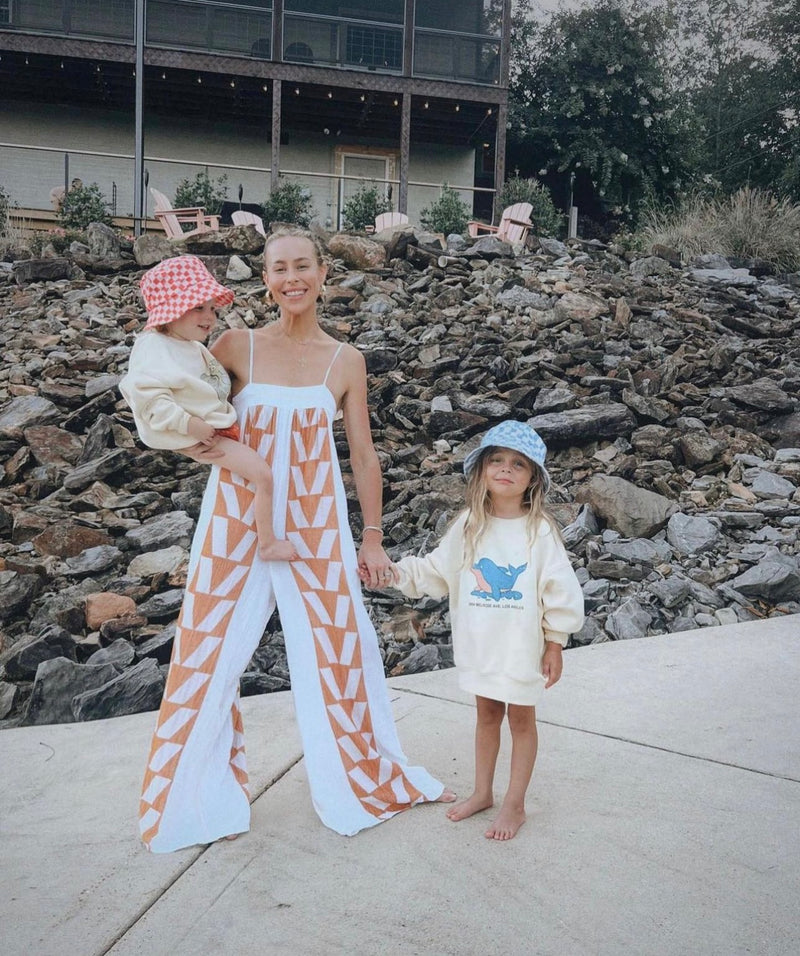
point(202, 191)
point(363, 206)
point(289, 202)
point(752, 224)
point(447, 214)
point(82, 206)
point(59, 239)
point(546, 219)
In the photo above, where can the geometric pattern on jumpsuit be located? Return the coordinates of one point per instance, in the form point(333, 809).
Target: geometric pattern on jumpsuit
point(195, 784)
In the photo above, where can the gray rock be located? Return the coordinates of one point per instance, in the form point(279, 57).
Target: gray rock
point(57, 682)
point(650, 266)
point(763, 394)
point(554, 400)
point(162, 531)
point(518, 297)
point(25, 411)
point(238, 270)
point(671, 591)
point(162, 607)
point(138, 689)
point(769, 581)
point(576, 425)
point(634, 512)
point(93, 561)
point(767, 486)
point(629, 621)
point(17, 591)
point(691, 534)
point(738, 278)
point(103, 241)
point(120, 653)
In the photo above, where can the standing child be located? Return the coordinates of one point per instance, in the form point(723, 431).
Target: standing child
point(514, 601)
point(178, 391)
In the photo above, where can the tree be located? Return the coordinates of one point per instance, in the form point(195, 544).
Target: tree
point(723, 64)
point(590, 104)
point(779, 28)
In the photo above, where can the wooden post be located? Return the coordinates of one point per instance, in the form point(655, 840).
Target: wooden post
point(275, 167)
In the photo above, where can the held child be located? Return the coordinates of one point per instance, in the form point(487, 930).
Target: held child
point(178, 391)
point(514, 601)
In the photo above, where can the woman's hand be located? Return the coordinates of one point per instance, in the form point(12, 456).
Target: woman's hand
point(374, 567)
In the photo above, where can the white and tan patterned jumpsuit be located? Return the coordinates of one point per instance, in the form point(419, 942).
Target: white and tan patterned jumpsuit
point(195, 786)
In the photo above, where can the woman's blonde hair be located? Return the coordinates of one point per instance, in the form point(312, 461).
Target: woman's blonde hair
point(479, 505)
point(295, 232)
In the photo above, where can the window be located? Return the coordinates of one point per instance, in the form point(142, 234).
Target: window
point(370, 47)
point(5, 11)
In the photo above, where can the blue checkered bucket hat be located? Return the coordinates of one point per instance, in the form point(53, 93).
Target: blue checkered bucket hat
point(515, 435)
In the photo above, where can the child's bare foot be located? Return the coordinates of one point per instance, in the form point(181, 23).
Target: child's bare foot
point(277, 551)
point(473, 804)
point(506, 825)
point(448, 796)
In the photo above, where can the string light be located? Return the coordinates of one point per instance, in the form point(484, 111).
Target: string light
point(395, 102)
point(264, 87)
point(426, 104)
point(233, 84)
point(330, 95)
point(362, 97)
point(458, 107)
point(199, 79)
point(297, 91)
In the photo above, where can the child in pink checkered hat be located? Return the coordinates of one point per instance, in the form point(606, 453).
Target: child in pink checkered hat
point(178, 391)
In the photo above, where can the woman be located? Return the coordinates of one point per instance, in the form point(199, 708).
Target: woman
point(288, 379)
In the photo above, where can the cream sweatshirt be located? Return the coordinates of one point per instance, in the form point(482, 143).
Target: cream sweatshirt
point(503, 608)
point(168, 381)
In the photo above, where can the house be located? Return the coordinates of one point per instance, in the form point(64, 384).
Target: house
point(404, 93)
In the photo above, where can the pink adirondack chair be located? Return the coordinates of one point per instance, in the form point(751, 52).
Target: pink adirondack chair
point(388, 219)
point(241, 217)
point(514, 226)
point(171, 218)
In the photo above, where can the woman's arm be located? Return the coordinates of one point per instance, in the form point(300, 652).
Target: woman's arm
point(373, 562)
point(232, 351)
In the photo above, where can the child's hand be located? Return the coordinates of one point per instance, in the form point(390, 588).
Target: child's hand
point(201, 431)
point(552, 663)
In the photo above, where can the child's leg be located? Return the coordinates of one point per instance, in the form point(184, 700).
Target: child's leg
point(245, 461)
point(524, 745)
point(488, 724)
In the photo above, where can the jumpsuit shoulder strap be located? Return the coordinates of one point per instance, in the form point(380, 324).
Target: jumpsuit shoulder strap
point(335, 356)
point(250, 377)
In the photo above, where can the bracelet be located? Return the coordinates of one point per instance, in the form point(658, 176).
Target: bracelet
point(372, 527)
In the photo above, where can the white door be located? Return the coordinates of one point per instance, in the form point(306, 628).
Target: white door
point(370, 168)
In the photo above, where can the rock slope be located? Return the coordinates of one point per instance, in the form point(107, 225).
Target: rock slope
point(667, 396)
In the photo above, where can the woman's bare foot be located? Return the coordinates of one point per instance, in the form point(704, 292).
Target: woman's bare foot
point(277, 551)
point(473, 804)
point(506, 825)
point(448, 796)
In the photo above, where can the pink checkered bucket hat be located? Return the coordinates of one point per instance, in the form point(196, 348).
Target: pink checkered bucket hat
point(176, 285)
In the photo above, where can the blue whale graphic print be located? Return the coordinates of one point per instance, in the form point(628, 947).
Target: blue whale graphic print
point(496, 583)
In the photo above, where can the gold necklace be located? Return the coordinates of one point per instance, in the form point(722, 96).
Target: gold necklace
point(300, 359)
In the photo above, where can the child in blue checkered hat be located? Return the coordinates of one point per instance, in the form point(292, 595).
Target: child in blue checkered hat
point(514, 601)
